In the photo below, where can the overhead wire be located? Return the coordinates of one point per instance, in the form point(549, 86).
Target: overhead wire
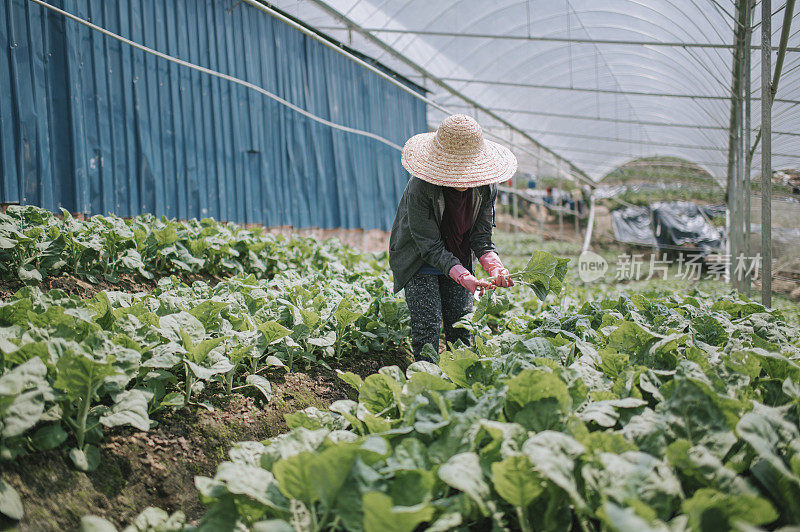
point(724, 11)
point(572, 170)
point(220, 75)
point(602, 91)
point(570, 134)
point(607, 65)
point(625, 154)
point(717, 34)
point(712, 37)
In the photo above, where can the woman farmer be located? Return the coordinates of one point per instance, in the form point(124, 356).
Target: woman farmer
point(445, 217)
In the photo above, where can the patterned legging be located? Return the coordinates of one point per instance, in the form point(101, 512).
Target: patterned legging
point(433, 299)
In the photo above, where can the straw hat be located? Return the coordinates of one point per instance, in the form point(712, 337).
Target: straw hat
point(458, 156)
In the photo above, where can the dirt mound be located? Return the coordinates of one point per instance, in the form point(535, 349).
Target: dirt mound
point(369, 240)
point(76, 286)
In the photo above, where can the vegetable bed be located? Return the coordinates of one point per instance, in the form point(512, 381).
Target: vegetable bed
point(72, 368)
point(669, 413)
point(672, 411)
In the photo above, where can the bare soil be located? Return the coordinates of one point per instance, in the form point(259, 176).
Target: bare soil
point(369, 240)
point(76, 286)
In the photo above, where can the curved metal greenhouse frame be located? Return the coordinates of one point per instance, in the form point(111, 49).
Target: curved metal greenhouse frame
point(580, 87)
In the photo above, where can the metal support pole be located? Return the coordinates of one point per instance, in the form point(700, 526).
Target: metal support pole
point(587, 240)
point(570, 39)
point(734, 235)
point(560, 210)
point(788, 11)
point(541, 209)
point(747, 281)
point(684, 95)
point(766, 153)
point(741, 149)
point(735, 155)
point(577, 222)
point(575, 214)
point(514, 201)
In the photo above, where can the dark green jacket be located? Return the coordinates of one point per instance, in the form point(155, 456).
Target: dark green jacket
point(416, 236)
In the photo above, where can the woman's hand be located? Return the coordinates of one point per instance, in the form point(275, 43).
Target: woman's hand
point(473, 284)
point(491, 263)
point(462, 276)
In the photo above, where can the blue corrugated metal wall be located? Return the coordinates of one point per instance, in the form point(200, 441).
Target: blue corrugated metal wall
point(92, 125)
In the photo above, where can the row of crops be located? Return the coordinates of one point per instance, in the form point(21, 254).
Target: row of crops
point(666, 412)
point(73, 367)
point(35, 244)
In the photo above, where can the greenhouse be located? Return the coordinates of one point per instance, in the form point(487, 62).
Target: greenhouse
point(368, 265)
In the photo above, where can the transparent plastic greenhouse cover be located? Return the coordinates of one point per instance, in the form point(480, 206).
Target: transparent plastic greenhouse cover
point(597, 82)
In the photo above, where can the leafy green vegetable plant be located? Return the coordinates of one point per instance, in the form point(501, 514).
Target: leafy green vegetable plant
point(86, 365)
point(80, 376)
point(608, 414)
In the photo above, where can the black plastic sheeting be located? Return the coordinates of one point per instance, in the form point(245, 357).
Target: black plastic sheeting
point(712, 211)
point(668, 225)
point(632, 226)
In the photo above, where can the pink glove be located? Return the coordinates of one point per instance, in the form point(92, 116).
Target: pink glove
point(491, 263)
point(462, 276)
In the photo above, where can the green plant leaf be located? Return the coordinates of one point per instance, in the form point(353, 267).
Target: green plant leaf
point(245, 479)
point(378, 393)
point(463, 472)
point(345, 313)
point(630, 338)
point(130, 408)
point(93, 523)
point(29, 274)
point(208, 313)
point(85, 460)
point(49, 437)
point(272, 525)
point(23, 395)
point(537, 400)
point(767, 430)
point(554, 456)
point(330, 469)
point(710, 510)
point(273, 331)
point(172, 324)
point(294, 477)
point(695, 412)
point(79, 375)
point(261, 384)
point(455, 364)
point(351, 378)
point(516, 480)
point(326, 340)
point(422, 382)
point(10, 503)
point(633, 475)
point(380, 515)
point(544, 273)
